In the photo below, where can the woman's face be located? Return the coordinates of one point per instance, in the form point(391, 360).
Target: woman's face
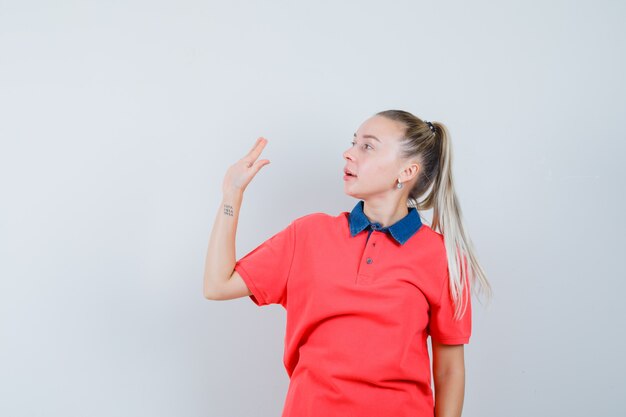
point(373, 158)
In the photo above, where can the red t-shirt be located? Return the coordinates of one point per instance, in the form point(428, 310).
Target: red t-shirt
point(359, 312)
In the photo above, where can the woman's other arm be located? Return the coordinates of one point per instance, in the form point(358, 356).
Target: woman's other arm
point(449, 379)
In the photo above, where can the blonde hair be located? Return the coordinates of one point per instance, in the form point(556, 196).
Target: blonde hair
point(433, 151)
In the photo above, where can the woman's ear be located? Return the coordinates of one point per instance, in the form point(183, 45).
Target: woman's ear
point(409, 172)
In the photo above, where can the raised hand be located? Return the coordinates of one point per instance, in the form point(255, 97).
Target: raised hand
point(241, 172)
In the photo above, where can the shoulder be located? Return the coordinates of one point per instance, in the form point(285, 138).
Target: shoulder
point(430, 236)
point(431, 244)
point(433, 261)
point(316, 220)
point(319, 222)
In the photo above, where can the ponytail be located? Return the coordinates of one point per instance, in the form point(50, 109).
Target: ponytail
point(448, 220)
point(429, 142)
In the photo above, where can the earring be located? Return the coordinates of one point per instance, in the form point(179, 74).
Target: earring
point(399, 184)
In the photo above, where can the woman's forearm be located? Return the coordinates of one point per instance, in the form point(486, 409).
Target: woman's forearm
point(220, 257)
point(449, 393)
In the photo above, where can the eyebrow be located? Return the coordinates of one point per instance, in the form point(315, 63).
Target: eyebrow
point(369, 137)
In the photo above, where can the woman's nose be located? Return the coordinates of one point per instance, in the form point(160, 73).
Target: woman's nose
point(346, 155)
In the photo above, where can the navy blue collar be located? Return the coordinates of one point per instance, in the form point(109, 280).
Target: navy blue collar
point(401, 230)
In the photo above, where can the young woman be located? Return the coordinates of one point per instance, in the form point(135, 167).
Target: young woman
point(364, 289)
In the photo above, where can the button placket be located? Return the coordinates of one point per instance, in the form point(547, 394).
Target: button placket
point(368, 267)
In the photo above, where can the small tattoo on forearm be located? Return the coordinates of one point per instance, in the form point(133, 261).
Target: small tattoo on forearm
point(228, 210)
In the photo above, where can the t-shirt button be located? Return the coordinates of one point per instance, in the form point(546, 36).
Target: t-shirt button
point(369, 260)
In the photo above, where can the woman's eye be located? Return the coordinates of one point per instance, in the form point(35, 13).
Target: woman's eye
point(365, 144)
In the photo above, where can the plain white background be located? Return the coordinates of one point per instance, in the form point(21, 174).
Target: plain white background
point(118, 121)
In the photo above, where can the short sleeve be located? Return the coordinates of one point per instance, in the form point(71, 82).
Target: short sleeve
point(266, 268)
point(443, 327)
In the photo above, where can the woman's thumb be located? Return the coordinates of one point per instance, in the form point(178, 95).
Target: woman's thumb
point(260, 164)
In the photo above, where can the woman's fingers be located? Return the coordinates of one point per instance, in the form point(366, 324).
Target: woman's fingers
point(254, 154)
point(241, 173)
point(258, 146)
